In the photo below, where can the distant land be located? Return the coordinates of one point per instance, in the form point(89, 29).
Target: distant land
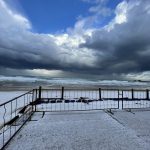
point(27, 83)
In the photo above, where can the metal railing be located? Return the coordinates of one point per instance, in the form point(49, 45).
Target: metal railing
point(13, 115)
point(64, 99)
point(135, 99)
point(76, 99)
point(16, 112)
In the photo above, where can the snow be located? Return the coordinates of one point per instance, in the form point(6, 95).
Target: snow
point(91, 130)
point(8, 95)
point(11, 109)
point(139, 121)
point(73, 95)
point(93, 94)
point(106, 104)
point(81, 130)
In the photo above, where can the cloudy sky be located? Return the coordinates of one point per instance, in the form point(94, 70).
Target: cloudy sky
point(96, 39)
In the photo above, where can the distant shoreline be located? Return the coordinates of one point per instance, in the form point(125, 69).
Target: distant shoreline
point(73, 86)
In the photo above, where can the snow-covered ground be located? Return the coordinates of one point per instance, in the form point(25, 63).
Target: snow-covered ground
point(92, 130)
point(8, 95)
point(10, 110)
point(137, 120)
point(73, 95)
point(133, 130)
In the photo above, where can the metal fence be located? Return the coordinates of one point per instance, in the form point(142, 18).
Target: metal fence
point(135, 99)
point(77, 99)
point(13, 115)
point(91, 99)
point(16, 112)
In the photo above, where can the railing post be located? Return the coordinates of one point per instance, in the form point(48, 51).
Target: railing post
point(40, 89)
point(100, 94)
point(147, 94)
point(132, 91)
point(62, 93)
point(118, 99)
point(36, 92)
point(122, 99)
point(32, 98)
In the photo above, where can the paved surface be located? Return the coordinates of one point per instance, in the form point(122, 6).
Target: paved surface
point(95, 130)
point(138, 121)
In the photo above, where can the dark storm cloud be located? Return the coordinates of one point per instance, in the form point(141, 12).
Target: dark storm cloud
point(25, 60)
point(125, 48)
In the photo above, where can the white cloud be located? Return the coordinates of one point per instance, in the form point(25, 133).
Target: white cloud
point(120, 15)
point(45, 72)
point(9, 18)
point(67, 40)
point(144, 76)
point(27, 50)
point(100, 10)
point(95, 1)
point(71, 53)
point(147, 8)
point(121, 12)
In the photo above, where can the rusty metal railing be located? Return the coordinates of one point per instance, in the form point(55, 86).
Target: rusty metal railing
point(13, 115)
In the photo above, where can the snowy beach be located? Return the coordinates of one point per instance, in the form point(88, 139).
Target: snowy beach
point(55, 117)
point(94, 130)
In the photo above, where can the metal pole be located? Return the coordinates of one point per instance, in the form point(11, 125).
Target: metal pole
point(118, 99)
point(122, 99)
point(32, 99)
point(40, 89)
point(147, 94)
point(100, 95)
point(62, 93)
point(36, 93)
point(132, 94)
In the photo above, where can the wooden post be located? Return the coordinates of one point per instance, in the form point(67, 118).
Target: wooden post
point(118, 98)
point(35, 94)
point(132, 91)
point(122, 99)
point(33, 99)
point(100, 95)
point(62, 93)
point(147, 94)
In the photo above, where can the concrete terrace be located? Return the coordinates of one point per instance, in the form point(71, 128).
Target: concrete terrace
point(89, 130)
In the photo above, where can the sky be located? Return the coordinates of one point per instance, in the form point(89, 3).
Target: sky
point(89, 39)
